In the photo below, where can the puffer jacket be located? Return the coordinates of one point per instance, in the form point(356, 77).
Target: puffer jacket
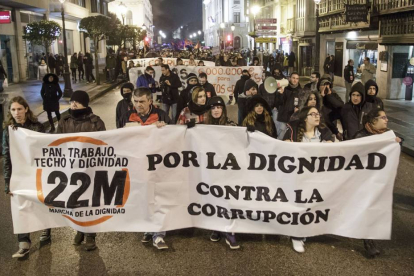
point(51, 93)
point(88, 122)
point(7, 165)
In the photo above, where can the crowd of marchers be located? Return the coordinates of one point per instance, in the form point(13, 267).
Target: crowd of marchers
point(311, 114)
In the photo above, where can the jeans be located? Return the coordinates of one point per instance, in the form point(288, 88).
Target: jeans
point(50, 118)
point(166, 108)
point(111, 74)
point(73, 73)
point(24, 237)
point(281, 130)
point(155, 235)
point(332, 76)
point(348, 86)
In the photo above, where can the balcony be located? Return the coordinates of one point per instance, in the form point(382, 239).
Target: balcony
point(337, 23)
point(397, 28)
point(330, 7)
point(392, 6)
point(290, 26)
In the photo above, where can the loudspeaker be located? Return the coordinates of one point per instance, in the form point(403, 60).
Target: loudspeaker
point(271, 84)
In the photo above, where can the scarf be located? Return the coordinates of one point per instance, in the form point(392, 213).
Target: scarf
point(293, 86)
point(197, 109)
point(78, 113)
point(372, 130)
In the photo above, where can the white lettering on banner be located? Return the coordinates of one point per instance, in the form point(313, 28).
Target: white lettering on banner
point(144, 62)
point(222, 78)
point(229, 180)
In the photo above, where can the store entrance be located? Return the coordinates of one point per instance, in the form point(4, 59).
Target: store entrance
point(6, 56)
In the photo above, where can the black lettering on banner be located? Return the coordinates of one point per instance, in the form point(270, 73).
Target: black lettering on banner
point(280, 218)
point(63, 182)
point(310, 166)
point(222, 212)
point(295, 217)
point(73, 199)
point(247, 194)
point(321, 215)
point(249, 214)
point(268, 215)
point(299, 197)
point(281, 164)
point(153, 159)
point(102, 184)
point(371, 161)
point(233, 193)
point(200, 190)
point(253, 158)
point(272, 163)
point(216, 191)
point(237, 213)
point(189, 156)
point(355, 162)
point(176, 158)
point(231, 162)
point(262, 192)
point(210, 161)
point(208, 210)
point(280, 194)
point(315, 196)
point(307, 218)
point(332, 163)
point(322, 163)
point(191, 211)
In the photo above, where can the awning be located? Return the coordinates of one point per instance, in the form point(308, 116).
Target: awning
point(362, 45)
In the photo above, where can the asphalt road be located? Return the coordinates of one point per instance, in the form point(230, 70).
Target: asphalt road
point(191, 252)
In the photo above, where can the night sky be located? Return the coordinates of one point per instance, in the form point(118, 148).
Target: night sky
point(171, 14)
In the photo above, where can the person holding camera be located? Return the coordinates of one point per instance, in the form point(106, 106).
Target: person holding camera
point(169, 84)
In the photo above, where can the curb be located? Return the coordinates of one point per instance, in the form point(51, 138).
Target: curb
point(93, 98)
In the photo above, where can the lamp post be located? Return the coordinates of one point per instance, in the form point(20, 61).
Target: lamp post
point(68, 91)
point(255, 10)
point(222, 26)
point(123, 10)
point(317, 36)
point(232, 34)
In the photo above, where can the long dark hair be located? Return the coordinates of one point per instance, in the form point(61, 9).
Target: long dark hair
point(303, 115)
point(252, 117)
point(210, 119)
point(29, 114)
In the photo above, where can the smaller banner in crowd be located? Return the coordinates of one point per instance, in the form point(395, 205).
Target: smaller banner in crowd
point(144, 62)
point(212, 177)
point(222, 78)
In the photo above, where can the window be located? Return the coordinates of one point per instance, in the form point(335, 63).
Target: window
point(236, 2)
point(236, 17)
point(81, 3)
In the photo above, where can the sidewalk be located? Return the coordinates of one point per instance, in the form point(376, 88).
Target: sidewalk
point(30, 90)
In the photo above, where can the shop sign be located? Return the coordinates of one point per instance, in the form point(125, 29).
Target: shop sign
point(266, 33)
point(266, 40)
point(5, 17)
point(356, 13)
point(266, 27)
point(266, 21)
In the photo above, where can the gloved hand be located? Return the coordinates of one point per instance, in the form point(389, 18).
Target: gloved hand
point(7, 186)
point(191, 123)
point(251, 128)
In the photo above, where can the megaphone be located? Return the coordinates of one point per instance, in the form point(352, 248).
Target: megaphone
point(271, 84)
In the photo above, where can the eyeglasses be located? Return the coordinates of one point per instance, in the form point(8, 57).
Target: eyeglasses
point(314, 114)
point(383, 117)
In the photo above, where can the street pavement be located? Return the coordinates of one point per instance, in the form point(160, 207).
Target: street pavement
point(192, 253)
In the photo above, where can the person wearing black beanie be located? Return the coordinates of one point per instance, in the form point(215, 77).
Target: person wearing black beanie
point(354, 111)
point(259, 116)
point(217, 113)
point(250, 89)
point(81, 119)
point(185, 95)
point(371, 92)
point(125, 105)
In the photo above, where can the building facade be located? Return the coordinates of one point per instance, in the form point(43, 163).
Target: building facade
point(20, 57)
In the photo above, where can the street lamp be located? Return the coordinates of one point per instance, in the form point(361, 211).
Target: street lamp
point(232, 33)
point(199, 32)
point(123, 10)
point(66, 75)
point(255, 10)
point(317, 36)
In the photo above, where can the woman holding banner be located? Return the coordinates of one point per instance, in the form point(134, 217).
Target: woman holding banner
point(375, 122)
point(217, 115)
point(309, 129)
point(19, 115)
point(259, 117)
point(194, 112)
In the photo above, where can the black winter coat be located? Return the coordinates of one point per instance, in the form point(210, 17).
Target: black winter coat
point(172, 89)
point(3, 74)
point(260, 125)
point(7, 165)
point(352, 123)
point(270, 98)
point(88, 122)
point(239, 88)
point(285, 103)
point(377, 102)
point(348, 73)
point(123, 107)
point(210, 90)
point(51, 93)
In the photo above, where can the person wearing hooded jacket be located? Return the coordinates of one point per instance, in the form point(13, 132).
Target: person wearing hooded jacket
point(185, 95)
point(371, 92)
point(125, 105)
point(354, 111)
point(81, 119)
point(169, 84)
point(51, 94)
point(147, 80)
point(259, 117)
point(197, 107)
point(239, 87)
point(250, 89)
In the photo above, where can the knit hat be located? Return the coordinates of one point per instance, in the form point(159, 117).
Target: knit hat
point(358, 87)
point(216, 101)
point(249, 84)
point(257, 99)
point(192, 76)
point(324, 82)
point(81, 97)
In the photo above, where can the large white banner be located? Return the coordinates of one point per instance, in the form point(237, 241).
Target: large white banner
point(144, 62)
point(222, 78)
point(212, 177)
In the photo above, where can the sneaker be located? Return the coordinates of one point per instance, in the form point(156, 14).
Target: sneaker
point(90, 243)
point(231, 241)
point(371, 248)
point(298, 245)
point(159, 243)
point(24, 249)
point(45, 235)
point(78, 238)
point(215, 236)
point(146, 238)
